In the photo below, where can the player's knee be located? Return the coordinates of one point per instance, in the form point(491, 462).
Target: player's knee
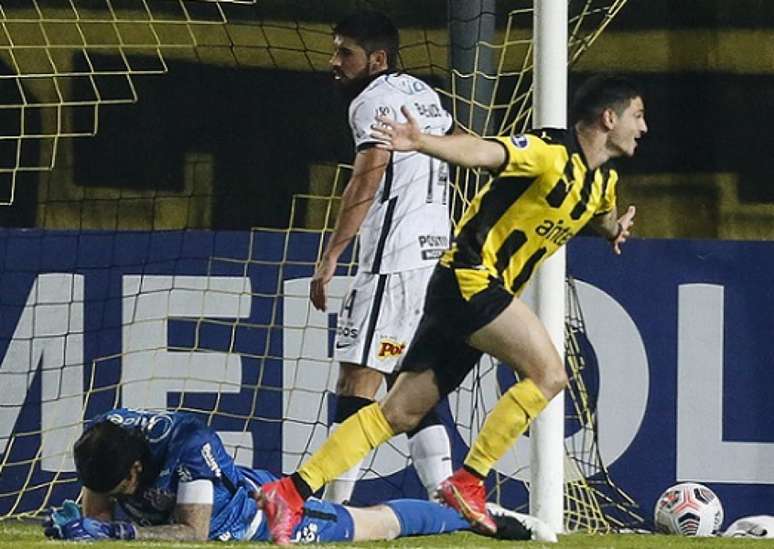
point(555, 381)
point(551, 380)
point(358, 381)
point(347, 387)
point(401, 420)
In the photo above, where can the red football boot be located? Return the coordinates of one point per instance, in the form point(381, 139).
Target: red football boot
point(283, 507)
point(464, 492)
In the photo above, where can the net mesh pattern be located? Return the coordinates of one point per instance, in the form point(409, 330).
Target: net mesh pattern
point(64, 61)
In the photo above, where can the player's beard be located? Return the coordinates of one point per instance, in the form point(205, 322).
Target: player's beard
point(349, 88)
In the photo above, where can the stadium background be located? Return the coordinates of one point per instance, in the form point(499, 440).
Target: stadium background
point(218, 146)
point(236, 131)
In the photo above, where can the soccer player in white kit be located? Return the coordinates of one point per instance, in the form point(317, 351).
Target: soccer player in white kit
point(398, 205)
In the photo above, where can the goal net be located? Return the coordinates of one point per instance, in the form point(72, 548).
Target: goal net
point(219, 323)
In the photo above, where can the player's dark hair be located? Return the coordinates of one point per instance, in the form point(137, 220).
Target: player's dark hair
point(105, 453)
point(372, 31)
point(602, 92)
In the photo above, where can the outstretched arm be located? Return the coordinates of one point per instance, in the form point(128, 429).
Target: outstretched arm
point(464, 150)
point(191, 518)
point(192, 523)
point(616, 229)
point(68, 523)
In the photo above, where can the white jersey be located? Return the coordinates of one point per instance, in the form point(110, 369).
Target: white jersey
point(407, 226)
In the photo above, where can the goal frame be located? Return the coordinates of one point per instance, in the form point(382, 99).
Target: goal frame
point(546, 495)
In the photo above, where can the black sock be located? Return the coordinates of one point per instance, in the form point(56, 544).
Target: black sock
point(303, 488)
point(473, 472)
point(347, 406)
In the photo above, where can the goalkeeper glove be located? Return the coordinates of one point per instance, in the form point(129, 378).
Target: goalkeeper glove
point(68, 524)
point(69, 511)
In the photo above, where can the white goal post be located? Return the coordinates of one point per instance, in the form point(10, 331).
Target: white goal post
point(546, 494)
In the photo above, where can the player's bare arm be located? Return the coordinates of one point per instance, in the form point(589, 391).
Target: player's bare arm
point(465, 150)
point(356, 199)
point(96, 505)
point(616, 229)
point(192, 523)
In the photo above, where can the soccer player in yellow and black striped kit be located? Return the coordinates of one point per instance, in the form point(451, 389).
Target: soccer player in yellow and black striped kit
point(546, 186)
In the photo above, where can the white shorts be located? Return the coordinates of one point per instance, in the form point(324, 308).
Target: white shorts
point(378, 318)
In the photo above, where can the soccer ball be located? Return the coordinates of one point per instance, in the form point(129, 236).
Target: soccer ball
point(688, 509)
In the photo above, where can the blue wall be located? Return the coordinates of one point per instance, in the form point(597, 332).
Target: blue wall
point(645, 282)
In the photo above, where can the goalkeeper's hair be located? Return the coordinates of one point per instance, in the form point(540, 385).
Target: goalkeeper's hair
point(372, 30)
point(105, 453)
point(602, 92)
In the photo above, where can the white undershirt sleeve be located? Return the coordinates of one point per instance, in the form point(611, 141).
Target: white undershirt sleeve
point(195, 492)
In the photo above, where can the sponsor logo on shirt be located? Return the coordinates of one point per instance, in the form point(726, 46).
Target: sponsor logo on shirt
point(428, 110)
point(209, 459)
point(118, 419)
point(408, 85)
point(383, 110)
point(431, 254)
point(389, 348)
point(156, 426)
point(159, 427)
point(184, 474)
point(432, 246)
point(555, 231)
point(520, 141)
point(433, 241)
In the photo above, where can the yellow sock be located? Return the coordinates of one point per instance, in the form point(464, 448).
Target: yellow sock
point(350, 443)
point(510, 417)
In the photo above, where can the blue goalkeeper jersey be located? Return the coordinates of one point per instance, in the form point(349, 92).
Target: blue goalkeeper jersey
point(183, 449)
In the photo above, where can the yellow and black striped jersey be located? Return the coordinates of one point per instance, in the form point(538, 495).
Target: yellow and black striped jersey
point(540, 198)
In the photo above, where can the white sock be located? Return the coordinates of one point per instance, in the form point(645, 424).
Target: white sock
point(340, 489)
point(431, 453)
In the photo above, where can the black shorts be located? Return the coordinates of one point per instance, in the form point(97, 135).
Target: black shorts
point(440, 341)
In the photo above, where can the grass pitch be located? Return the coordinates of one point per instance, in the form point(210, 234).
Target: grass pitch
point(28, 535)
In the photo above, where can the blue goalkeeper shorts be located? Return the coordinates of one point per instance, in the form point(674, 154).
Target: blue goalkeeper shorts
point(323, 521)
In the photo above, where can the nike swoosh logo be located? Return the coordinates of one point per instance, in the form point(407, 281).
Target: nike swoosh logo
point(342, 345)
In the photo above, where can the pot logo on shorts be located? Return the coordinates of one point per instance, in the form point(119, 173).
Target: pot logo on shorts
point(389, 348)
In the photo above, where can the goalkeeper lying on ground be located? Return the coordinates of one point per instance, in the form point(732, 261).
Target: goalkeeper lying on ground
point(174, 480)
